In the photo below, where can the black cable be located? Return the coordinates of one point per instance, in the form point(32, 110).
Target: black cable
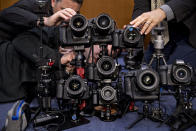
point(92, 53)
point(88, 57)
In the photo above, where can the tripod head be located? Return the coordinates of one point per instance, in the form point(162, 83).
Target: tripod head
point(158, 41)
point(133, 58)
point(79, 61)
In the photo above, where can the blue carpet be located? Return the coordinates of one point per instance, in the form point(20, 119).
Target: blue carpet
point(119, 125)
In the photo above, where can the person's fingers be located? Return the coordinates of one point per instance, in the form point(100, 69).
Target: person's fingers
point(135, 20)
point(68, 65)
point(150, 28)
point(71, 11)
point(124, 26)
point(140, 21)
point(66, 13)
point(109, 49)
point(69, 68)
point(97, 49)
point(70, 58)
point(67, 58)
point(61, 49)
point(63, 16)
point(59, 17)
point(145, 27)
point(58, 23)
point(71, 55)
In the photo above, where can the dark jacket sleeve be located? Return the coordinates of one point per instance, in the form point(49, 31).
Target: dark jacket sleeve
point(20, 14)
point(182, 8)
point(140, 6)
point(28, 46)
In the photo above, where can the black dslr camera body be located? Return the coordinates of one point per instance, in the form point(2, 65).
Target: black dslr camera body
point(102, 27)
point(73, 88)
point(78, 33)
point(106, 68)
point(142, 84)
point(106, 74)
point(177, 74)
point(107, 93)
point(129, 37)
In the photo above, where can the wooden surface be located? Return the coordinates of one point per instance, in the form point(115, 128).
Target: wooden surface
point(119, 10)
point(6, 3)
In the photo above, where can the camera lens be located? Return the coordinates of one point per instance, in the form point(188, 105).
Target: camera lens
point(182, 74)
point(103, 22)
point(106, 65)
point(74, 86)
point(148, 80)
point(131, 36)
point(78, 24)
point(108, 93)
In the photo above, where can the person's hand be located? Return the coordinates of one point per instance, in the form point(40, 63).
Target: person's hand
point(69, 68)
point(59, 17)
point(149, 20)
point(96, 52)
point(110, 50)
point(65, 59)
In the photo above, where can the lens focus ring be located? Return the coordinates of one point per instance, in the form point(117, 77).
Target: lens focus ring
point(108, 93)
point(131, 36)
point(182, 74)
point(103, 22)
point(106, 65)
point(74, 85)
point(78, 23)
point(148, 80)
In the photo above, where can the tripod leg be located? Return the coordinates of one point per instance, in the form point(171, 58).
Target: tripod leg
point(190, 117)
point(164, 61)
point(126, 109)
point(164, 122)
point(150, 63)
point(134, 123)
point(36, 114)
point(186, 126)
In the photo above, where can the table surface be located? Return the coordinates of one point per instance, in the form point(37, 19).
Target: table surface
point(118, 125)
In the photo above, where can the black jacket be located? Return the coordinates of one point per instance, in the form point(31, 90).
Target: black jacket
point(184, 23)
point(20, 17)
point(19, 50)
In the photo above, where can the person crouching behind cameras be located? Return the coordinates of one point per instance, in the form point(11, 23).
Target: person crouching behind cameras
point(20, 47)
